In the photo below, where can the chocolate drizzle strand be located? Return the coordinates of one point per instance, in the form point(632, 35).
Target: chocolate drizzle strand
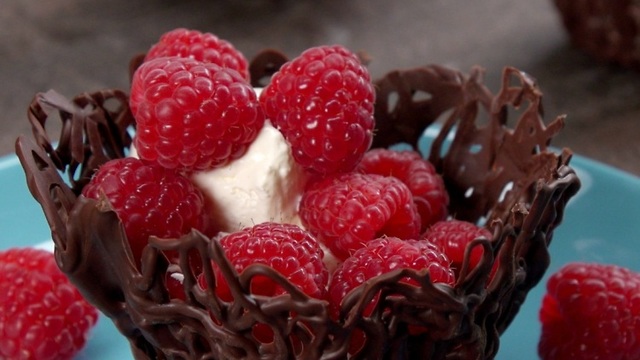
point(492, 150)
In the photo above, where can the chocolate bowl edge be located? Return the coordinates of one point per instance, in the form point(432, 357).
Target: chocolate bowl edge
point(492, 151)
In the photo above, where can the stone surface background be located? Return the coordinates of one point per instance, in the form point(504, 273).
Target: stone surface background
point(74, 46)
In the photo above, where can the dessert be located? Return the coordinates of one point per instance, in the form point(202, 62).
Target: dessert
point(607, 30)
point(500, 176)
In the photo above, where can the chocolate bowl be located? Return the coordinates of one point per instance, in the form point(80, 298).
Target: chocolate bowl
point(491, 149)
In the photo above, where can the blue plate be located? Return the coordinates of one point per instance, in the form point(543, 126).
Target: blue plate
point(602, 224)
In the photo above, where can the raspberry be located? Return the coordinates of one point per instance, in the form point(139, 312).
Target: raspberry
point(192, 115)
point(347, 210)
point(418, 174)
point(204, 47)
point(381, 256)
point(591, 311)
point(453, 236)
point(322, 102)
point(286, 248)
point(149, 200)
point(42, 316)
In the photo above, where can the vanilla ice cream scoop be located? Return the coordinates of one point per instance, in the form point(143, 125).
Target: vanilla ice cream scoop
point(265, 184)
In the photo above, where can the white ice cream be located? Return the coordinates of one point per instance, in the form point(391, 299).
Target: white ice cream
point(263, 185)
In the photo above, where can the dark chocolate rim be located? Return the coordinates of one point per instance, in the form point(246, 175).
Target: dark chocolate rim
point(607, 30)
point(491, 149)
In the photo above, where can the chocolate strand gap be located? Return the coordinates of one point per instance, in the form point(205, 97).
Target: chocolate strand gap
point(499, 175)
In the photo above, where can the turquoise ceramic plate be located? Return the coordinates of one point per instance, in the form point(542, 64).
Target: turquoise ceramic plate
point(602, 224)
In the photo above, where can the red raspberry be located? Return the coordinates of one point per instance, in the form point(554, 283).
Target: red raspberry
point(453, 236)
point(322, 102)
point(381, 256)
point(149, 200)
point(591, 311)
point(204, 47)
point(417, 173)
point(192, 115)
point(286, 248)
point(346, 211)
point(42, 315)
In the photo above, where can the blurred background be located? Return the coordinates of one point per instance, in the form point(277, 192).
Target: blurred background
point(75, 46)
